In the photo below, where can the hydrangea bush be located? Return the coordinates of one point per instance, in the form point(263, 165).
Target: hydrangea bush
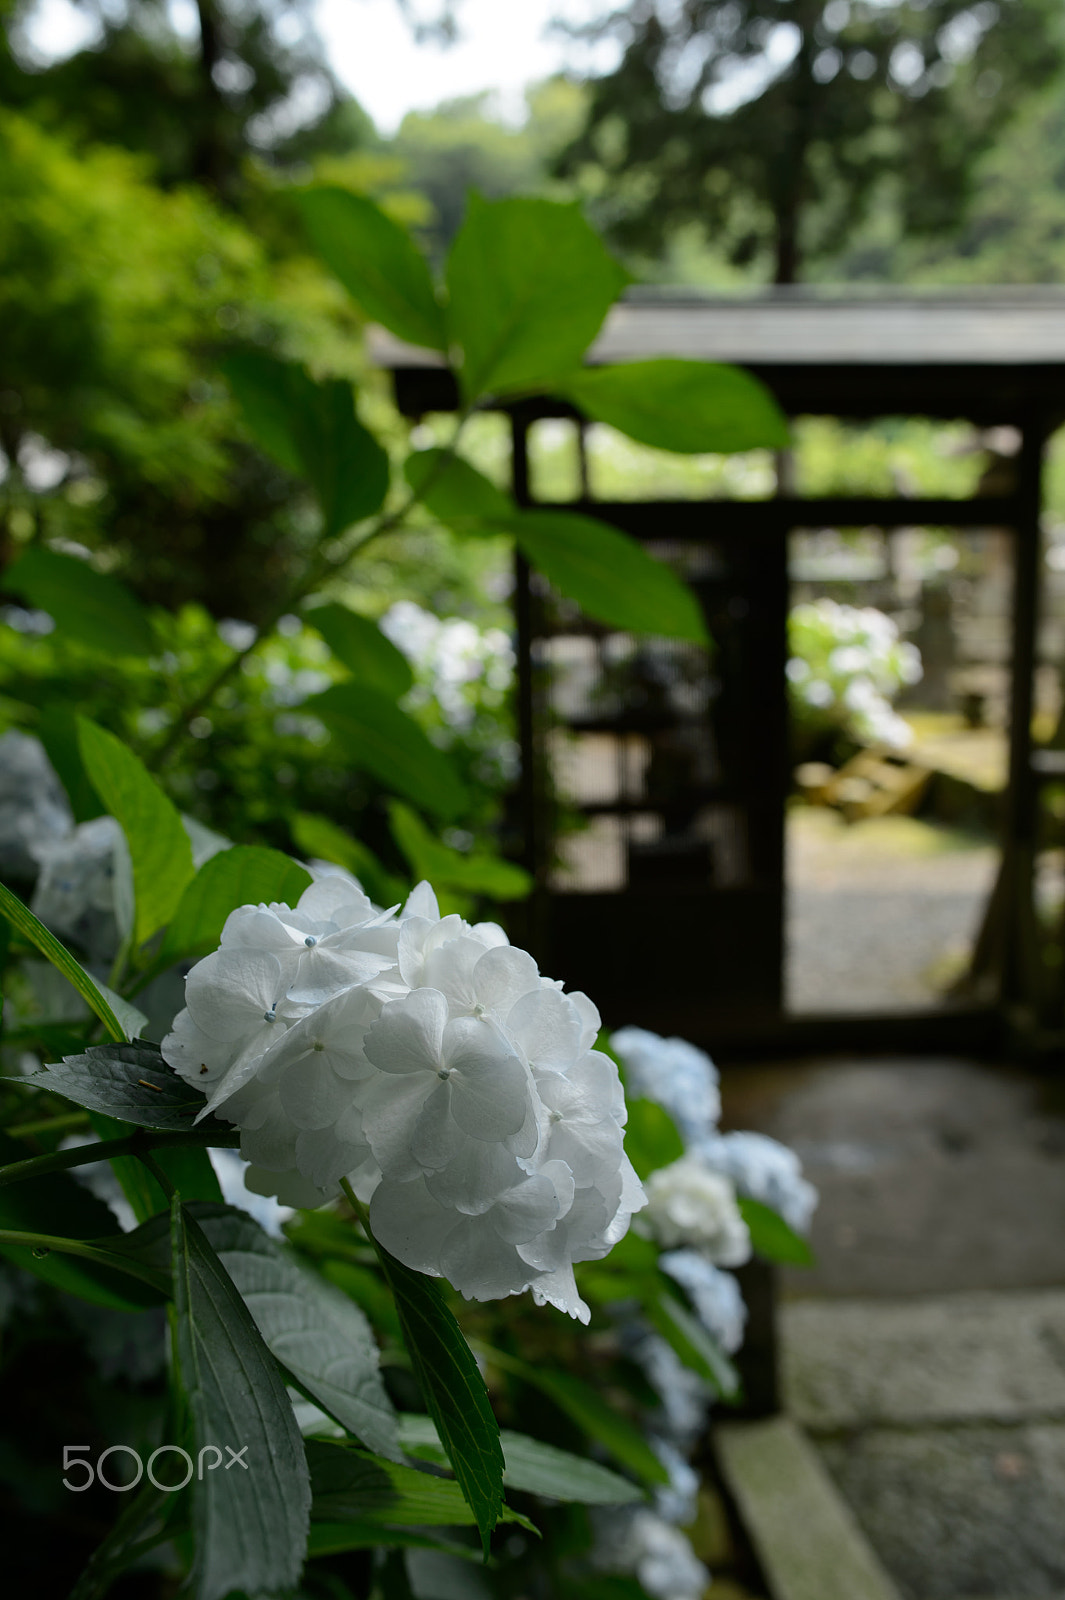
point(847, 666)
point(439, 1207)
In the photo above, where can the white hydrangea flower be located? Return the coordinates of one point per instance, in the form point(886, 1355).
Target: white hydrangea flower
point(428, 1063)
point(687, 1204)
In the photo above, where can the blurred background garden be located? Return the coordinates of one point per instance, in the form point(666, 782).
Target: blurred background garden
point(846, 799)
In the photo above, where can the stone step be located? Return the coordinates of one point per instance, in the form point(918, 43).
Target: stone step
point(807, 1542)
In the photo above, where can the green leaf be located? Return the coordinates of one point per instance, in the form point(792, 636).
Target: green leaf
point(695, 1347)
point(314, 1330)
point(131, 1082)
point(589, 1410)
point(86, 605)
point(445, 868)
point(158, 844)
point(531, 1466)
point(366, 1289)
point(529, 284)
point(373, 734)
point(22, 918)
point(359, 645)
point(463, 498)
point(242, 875)
point(771, 1237)
point(251, 1526)
point(651, 1137)
point(58, 1205)
point(611, 576)
point(321, 839)
point(312, 430)
point(348, 1482)
point(361, 1533)
point(58, 732)
point(691, 407)
point(377, 262)
point(453, 1390)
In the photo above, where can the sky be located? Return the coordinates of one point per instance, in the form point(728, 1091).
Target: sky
point(504, 45)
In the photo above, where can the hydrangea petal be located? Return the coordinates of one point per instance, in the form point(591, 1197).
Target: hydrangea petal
point(408, 1035)
point(488, 1083)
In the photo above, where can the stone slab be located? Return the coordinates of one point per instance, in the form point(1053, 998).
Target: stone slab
point(976, 1357)
point(807, 1541)
point(962, 1510)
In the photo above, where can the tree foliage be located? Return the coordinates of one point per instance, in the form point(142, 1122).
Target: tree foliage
point(777, 119)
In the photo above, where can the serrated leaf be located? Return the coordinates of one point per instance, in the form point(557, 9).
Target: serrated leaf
point(589, 1410)
point(242, 875)
point(131, 1082)
point(312, 430)
point(321, 1339)
point(314, 1330)
point(373, 734)
point(531, 1466)
point(771, 1237)
point(476, 873)
point(690, 407)
point(33, 929)
point(610, 576)
point(359, 645)
point(453, 490)
point(453, 1391)
point(651, 1137)
point(250, 1525)
point(158, 844)
point(87, 606)
point(529, 283)
point(377, 262)
point(320, 838)
point(693, 1344)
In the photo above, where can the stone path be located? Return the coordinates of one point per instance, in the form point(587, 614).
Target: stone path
point(881, 914)
point(924, 1356)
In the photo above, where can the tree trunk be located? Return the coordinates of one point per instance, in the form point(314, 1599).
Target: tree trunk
point(211, 165)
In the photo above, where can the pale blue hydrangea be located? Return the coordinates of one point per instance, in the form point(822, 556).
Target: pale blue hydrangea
point(676, 1074)
point(765, 1170)
point(715, 1295)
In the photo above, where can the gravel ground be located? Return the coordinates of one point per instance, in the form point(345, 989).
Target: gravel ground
point(881, 914)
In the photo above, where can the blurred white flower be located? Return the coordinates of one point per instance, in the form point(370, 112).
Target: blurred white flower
point(33, 807)
point(430, 1064)
point(687, 1204)
point(657, 1554)
point(85, 889)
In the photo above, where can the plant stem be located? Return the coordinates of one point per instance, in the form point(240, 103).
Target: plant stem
point(317, 569)
point(84, 1154)
point(363, 1215)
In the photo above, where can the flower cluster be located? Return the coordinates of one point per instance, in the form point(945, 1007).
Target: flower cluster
point(428, 1062)
point(688, 1204)
point(847, 665)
